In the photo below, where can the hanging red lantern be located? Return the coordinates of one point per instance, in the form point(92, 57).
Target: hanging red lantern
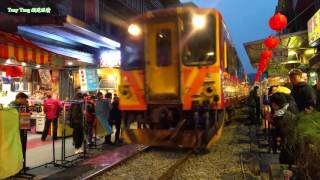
point(261, 69)
point(18, 71)
point(264, 61)
point(257, 77)
point(271, 42)
point(14, 71)
point(278, 21)
point(9, 71)
point(266, 54)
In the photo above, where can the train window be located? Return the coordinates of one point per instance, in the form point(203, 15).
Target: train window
point(132, 56)
point(163, 40)
point(198, 44)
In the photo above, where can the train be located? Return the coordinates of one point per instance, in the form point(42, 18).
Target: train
point(181, 77)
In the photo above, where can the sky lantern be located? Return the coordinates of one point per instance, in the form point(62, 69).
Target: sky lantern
point(271, 42)
point(278, 22)
point(266, 54)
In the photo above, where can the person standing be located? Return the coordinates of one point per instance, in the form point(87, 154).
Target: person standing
point(90, 117)
point(258, 106)
point(254, 106)
point(51, 109)
point(102, 109)
point(22, 106)
point(20, 103)
point(285, 127)
point(317, 90)
point(115, 118)
point(77, 122)
point(302, 92)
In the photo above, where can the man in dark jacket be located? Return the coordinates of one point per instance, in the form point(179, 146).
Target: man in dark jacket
point(303, 93)
point(115, 117)
point(77, 122)
point(284, 122)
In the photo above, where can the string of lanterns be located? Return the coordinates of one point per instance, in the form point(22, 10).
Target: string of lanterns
point(277, 22)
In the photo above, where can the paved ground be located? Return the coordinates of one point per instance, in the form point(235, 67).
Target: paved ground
point(239, 143)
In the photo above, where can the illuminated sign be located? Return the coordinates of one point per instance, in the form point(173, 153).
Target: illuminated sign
point(34, 10)
point(88, 79)
point(314, 29)
point(110, 58)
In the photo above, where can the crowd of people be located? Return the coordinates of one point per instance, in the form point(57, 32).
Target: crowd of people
point(283, 105)
point(97, 108)
point(85, 112)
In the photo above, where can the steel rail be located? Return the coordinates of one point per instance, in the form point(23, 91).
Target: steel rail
point(170, 171)
point(100, 171)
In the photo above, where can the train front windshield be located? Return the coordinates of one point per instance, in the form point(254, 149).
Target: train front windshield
point(197, 42)
point(198, 39)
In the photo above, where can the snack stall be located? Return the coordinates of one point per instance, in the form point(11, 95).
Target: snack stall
point(27, 68)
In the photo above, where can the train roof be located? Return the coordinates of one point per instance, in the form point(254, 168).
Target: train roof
point(174, 11)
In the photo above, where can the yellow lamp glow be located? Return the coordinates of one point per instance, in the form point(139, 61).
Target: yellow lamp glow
point(112, 77)
point(134, 30)
point(199, 21)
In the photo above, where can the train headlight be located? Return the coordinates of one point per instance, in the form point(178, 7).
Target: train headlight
point(134, 30)
point(208, 90)
point(199, 21)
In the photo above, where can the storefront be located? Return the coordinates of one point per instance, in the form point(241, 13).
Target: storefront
point(25, 67)
point(109, 71)
point(293, 51)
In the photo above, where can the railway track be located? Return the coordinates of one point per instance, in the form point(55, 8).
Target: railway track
point(162, 163)
point(153, 163)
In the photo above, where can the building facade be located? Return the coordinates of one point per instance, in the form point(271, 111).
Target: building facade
point(294, 50)
point(298, 13)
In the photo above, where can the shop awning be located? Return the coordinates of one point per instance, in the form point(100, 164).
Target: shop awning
point(314, 62)
point(72, 32)
point(286, 52)
point(15, 47)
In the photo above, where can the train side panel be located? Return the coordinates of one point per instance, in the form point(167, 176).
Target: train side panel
point(132, 91)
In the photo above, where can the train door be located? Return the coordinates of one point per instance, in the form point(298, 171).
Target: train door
point(162, 64)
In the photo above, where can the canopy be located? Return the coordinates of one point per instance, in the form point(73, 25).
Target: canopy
point(15, 47)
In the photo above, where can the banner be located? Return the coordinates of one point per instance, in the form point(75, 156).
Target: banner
point(11, 159)
point(89, 79)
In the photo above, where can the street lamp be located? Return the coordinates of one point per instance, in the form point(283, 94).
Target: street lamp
point(134, 30)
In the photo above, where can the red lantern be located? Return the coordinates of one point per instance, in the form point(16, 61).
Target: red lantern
point(266, 54)
point(14, 71)
point(271, 42)
point(278, 21)
point(261, 69)
point(9, 71)
point(264, 61)
point(257, 77)
point(18, 71)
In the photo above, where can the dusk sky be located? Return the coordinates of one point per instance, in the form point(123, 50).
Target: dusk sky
point(247, 20)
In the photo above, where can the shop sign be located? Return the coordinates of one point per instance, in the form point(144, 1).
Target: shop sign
point(314, 29)
point(279, 55)
point(89, 79)
point(110, 58)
